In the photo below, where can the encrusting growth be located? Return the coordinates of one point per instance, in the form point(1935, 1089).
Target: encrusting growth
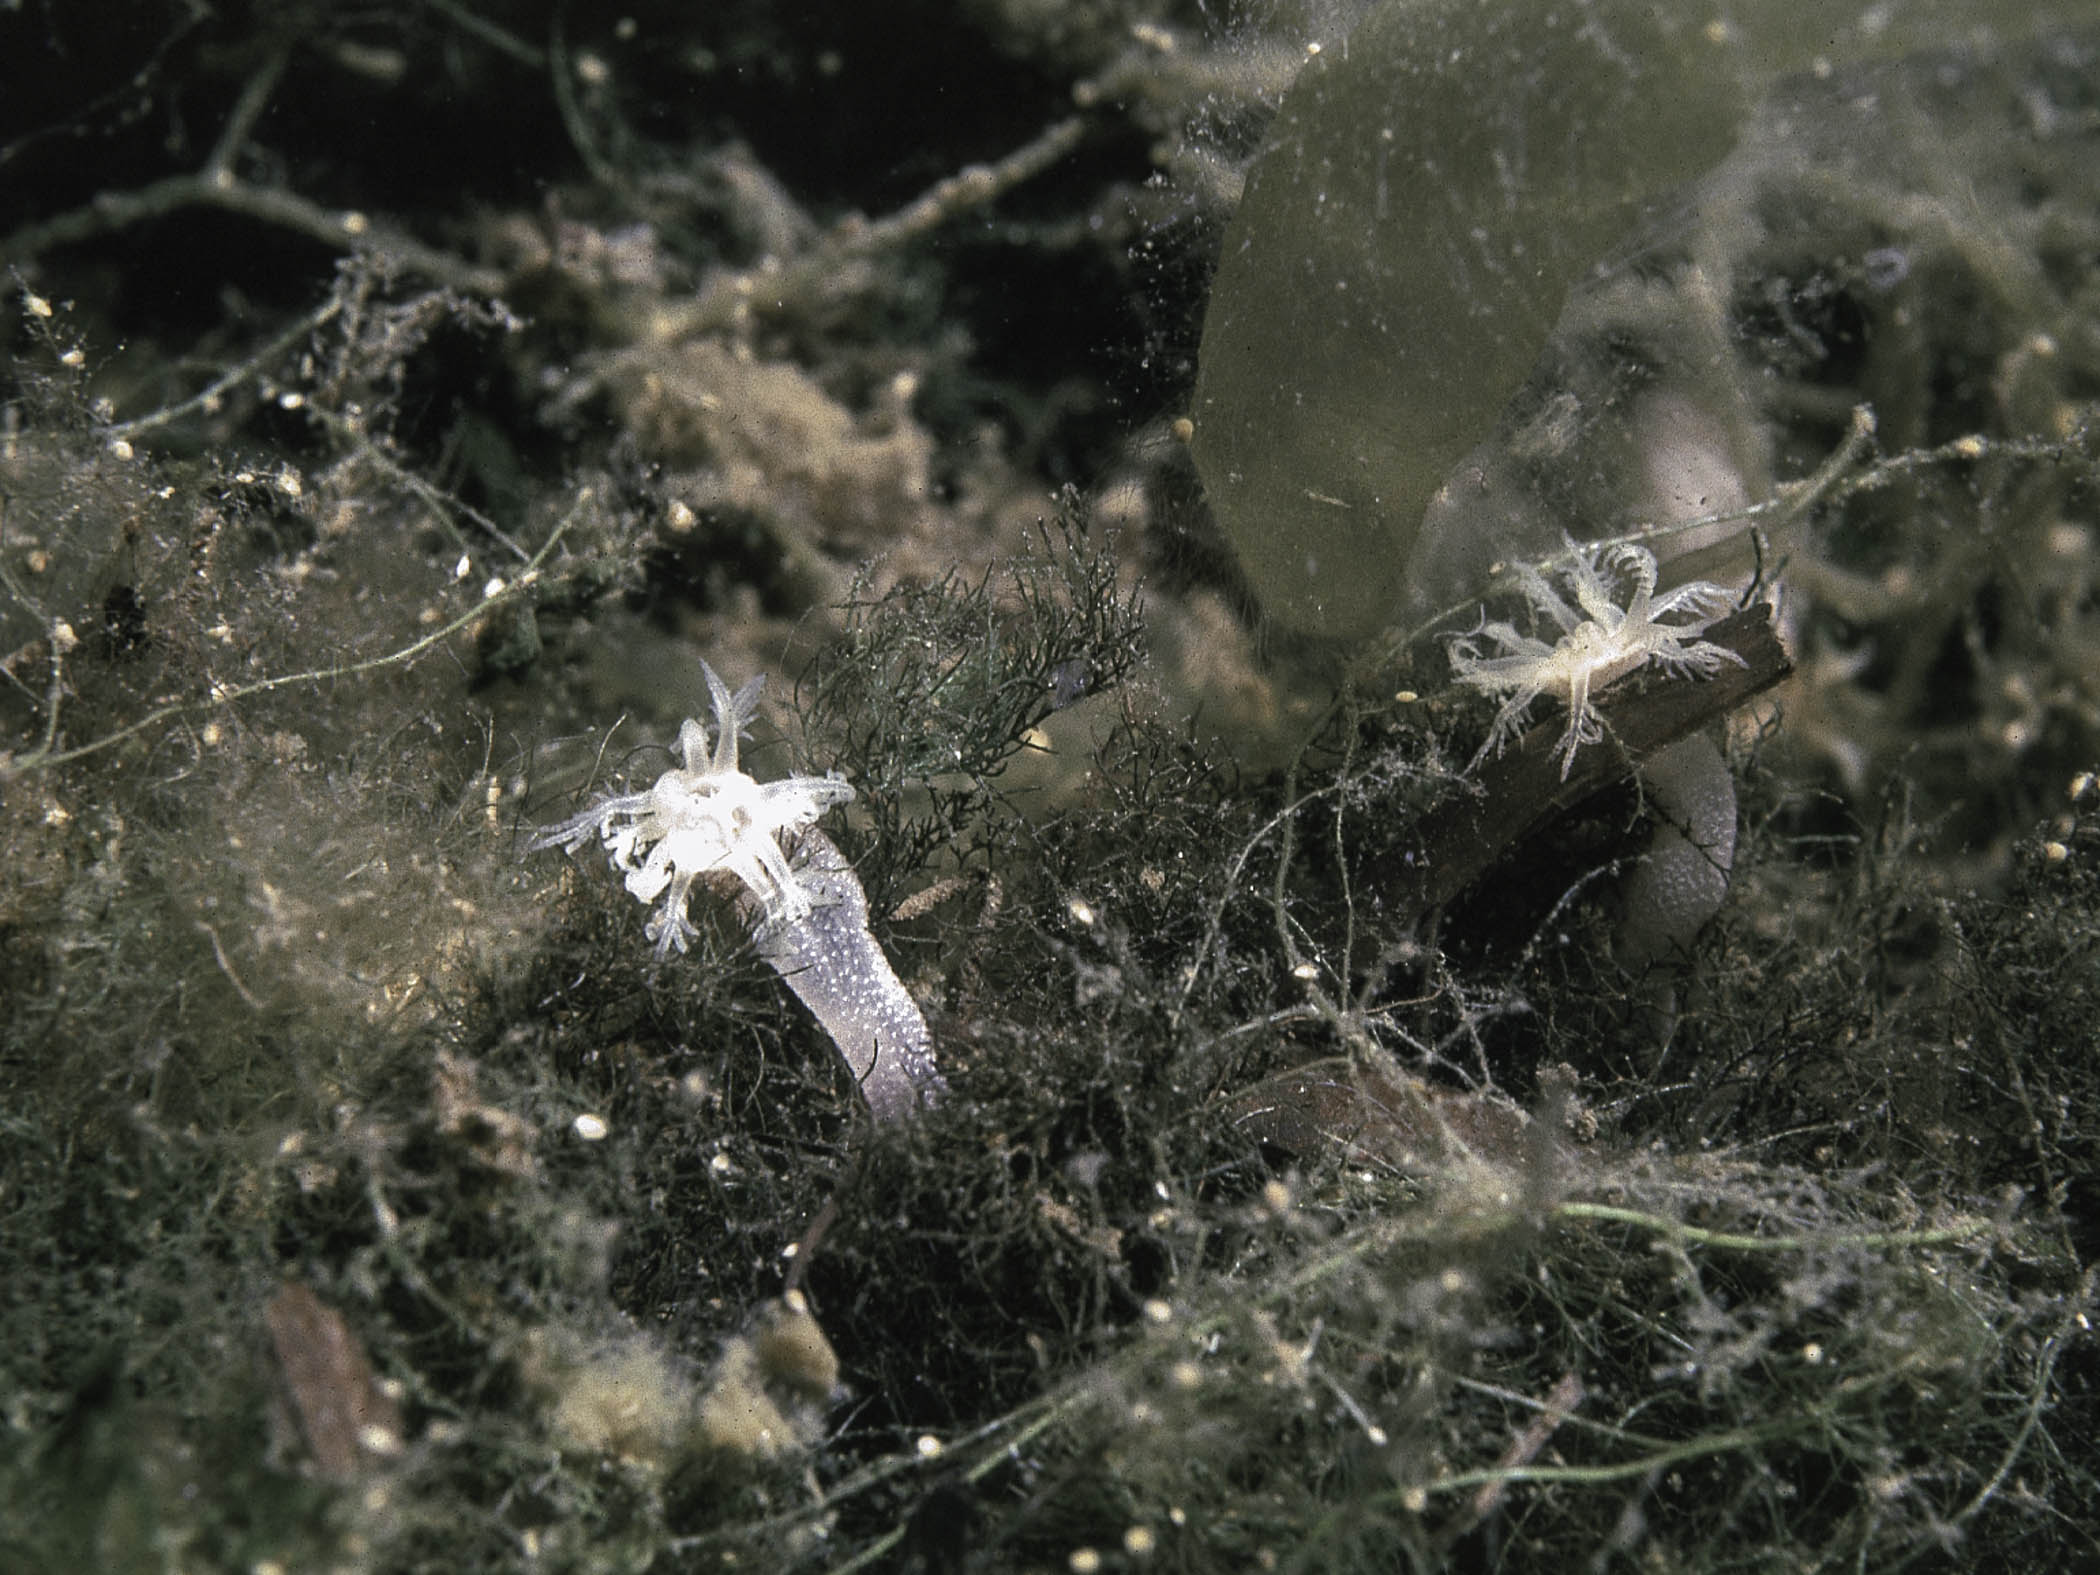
point(707, 819)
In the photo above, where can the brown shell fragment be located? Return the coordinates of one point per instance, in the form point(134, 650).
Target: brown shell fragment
point(1337, 1105)
point(346, 1417)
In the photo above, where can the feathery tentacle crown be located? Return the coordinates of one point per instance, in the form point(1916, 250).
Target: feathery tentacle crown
point(706, 817)
point(1599, 644)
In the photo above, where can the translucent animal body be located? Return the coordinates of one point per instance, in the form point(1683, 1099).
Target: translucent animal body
point(703, 818)
point(1600, 641)
point(706, 819)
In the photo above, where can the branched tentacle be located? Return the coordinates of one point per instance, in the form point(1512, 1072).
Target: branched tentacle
point(1593, 652)
point(808, 917)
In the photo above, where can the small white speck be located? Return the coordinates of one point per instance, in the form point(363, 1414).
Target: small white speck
point(928, 1446)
